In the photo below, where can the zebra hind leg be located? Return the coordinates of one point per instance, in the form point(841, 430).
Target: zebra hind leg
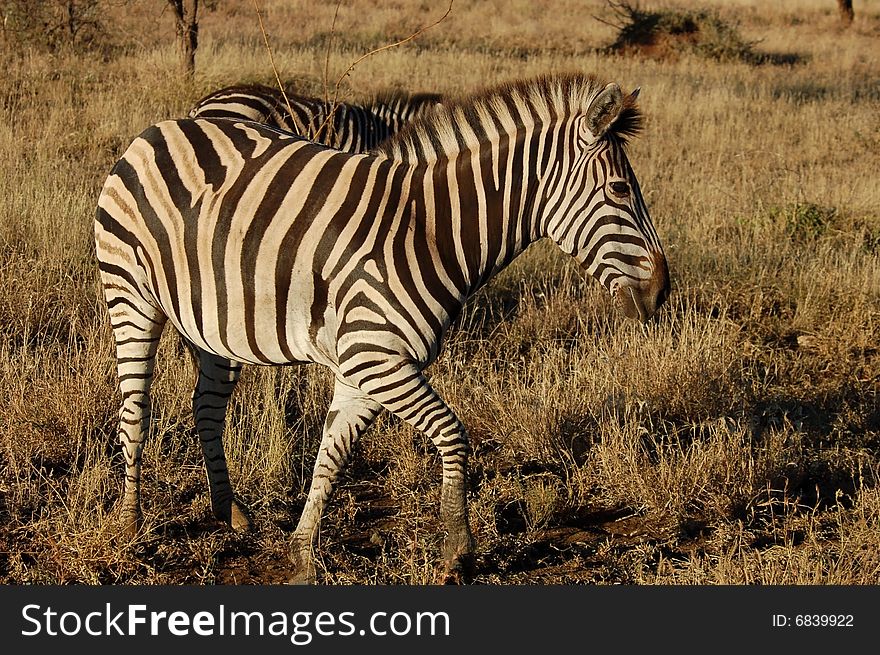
point(137, 327)
point(351, 413)
point(216, 381)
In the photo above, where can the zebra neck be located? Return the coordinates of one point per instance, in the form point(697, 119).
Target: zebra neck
point(476, 209)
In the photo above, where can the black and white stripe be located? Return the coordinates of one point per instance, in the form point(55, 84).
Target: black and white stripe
point(264, 248)
point(353, 128)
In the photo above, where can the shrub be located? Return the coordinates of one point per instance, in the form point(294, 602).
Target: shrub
point(52, 24)
point(805, 221)
point(670, 32)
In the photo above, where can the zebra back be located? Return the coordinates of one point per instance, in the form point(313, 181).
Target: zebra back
point(344, 126)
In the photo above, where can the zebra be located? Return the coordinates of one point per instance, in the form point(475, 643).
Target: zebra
point(353, 128)
point(261, 247)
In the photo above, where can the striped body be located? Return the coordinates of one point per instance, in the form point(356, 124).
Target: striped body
point(353, 128)
point(263, 248)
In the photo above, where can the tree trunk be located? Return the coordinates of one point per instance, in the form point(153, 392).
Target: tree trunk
point(188, 39)
point(846, 11)
point(186, 24)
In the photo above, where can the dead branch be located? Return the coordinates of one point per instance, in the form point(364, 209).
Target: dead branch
point(351, 66)
point(272, 58)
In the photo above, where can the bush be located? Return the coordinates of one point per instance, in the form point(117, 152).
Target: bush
point(805, 221)
point(671, 32)
point(52, 24)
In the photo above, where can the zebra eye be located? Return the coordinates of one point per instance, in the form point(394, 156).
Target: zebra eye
point(619, 189)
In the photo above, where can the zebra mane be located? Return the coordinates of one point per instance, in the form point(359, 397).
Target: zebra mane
point(394, 98)
point(540, 100)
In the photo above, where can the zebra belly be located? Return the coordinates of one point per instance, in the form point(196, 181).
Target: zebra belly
point(246, 322)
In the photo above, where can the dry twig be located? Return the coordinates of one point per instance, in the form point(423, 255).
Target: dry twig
point(351, 66)
point(271, 57)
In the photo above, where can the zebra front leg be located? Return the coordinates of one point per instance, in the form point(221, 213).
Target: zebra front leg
point(402, 389)
point(351, 413)
point(215, 384)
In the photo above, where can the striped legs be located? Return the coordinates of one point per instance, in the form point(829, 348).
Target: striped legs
point(351, 413)
point(216, 382)
point(136, 330)
point(402, 389)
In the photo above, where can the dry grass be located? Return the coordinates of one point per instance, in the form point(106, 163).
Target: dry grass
point(734, 441)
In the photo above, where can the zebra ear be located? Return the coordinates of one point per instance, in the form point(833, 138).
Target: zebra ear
point(604, 110)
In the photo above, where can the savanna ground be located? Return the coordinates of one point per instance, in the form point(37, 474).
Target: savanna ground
point(734, 440)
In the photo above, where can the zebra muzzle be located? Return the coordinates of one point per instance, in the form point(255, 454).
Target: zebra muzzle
point(641, 301)
point(630, 304)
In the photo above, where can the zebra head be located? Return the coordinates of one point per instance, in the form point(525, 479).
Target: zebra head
point(595, 210)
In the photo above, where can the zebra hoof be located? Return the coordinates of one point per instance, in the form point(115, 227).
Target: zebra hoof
point(302, 578)
point(131, 523)
point(461, 572)
point(304, 572)
point(458, 555)
point(450, 578)
point(232, 514)
point(239, 519)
